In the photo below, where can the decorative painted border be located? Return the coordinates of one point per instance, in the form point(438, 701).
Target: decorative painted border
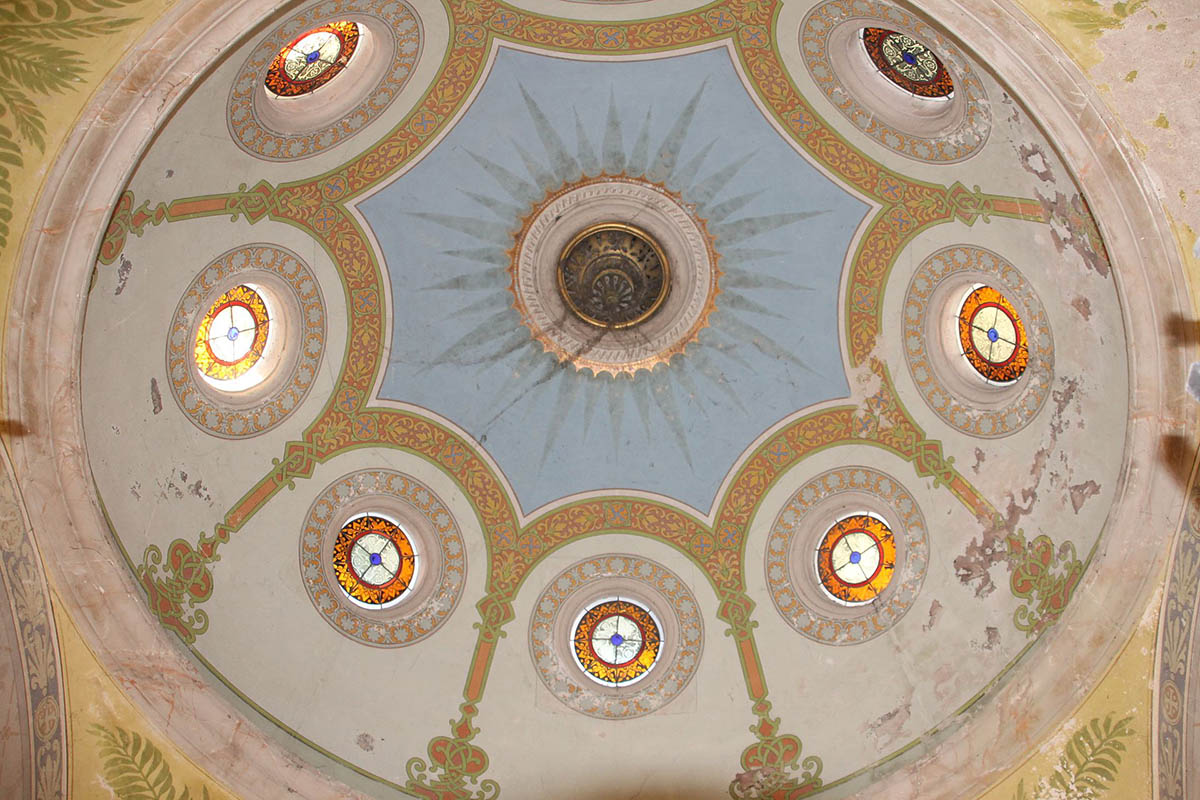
point(853, 625)
point(29, 601)
point(1020, 402)
point(960, 143)
point(284, 392)
point(454, 765)
point(259, 138)
point(1178, 649)
point(383, 628)
point(677, 663)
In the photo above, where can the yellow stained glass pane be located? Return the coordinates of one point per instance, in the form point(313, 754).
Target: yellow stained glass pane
point(232, 335)
point(992, 335)
point(856, 558)
point(374, 560)
point(617, 641)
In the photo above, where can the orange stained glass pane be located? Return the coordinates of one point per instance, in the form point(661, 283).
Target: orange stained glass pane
point(856, 558)
point(992, 335)
point(617, 641)
point(373, 560)
point(313, 59)
point(232, 335)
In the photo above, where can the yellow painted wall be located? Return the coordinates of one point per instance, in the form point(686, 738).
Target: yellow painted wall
point(96, 703)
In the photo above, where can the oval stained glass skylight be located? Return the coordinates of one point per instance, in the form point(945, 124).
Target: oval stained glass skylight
point(992, 336)
point(312, 59)
point(856, 558)
point(374, 561)
point(233, 334)
point(907, 63)
point(617, 642)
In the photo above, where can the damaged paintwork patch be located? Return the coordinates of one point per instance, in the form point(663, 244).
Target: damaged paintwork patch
point(176, 485)
point(1050, 466)
point(1035, 162)
point(890, 727)
point(1080, 492)
point(123, 271)
point(935, 611)
point(155, 397)
point(1083, 306)
point(1072, 227)
point(365, 741)
point(979, 459)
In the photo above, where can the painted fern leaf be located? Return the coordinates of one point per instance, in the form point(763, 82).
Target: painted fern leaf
point(1092, 757)
point(135, 769)
point(60, 30)
point(39, 67)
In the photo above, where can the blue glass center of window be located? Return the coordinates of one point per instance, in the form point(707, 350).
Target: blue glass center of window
point(993, 334)
point(617, 640)
point(233, 333)
point(313, 56)
point(909, 58)
point(855, 557)
point(376, 559)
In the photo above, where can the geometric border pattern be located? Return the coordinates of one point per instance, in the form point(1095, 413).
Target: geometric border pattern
point(679, 658)
point(1177, 649)
point(230, 421)
point(252, 134)
point(912, 560)
point(22, 573)
point(960, 412)
point(364, 625)
point(955, 145)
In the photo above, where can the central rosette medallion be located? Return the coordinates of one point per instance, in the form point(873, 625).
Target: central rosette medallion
point(613, 275)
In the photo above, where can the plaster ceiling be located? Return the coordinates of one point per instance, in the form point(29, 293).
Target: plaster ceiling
point(805, 370)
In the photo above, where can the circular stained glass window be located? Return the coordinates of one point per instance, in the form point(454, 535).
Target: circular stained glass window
point(233, 334)
point(992, 336)
point(617, 642)
point(856, 558)
point(313, 59)
point(907, 63)
point(374, 561)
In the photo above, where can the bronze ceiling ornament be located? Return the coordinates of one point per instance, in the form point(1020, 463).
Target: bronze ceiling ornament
point(613, 275)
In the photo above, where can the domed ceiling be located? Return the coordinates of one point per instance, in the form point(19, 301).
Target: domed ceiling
point(728, 402)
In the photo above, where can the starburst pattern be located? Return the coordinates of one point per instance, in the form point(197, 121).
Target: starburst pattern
point(700, 183)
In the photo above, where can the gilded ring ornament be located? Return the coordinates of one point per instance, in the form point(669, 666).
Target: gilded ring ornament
point(814, 587)
point(280, 366)
point(942, 120)
point(969, 392)
point(275, 117)
point(613, 275)
point(584, 657)
point(412, 600)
